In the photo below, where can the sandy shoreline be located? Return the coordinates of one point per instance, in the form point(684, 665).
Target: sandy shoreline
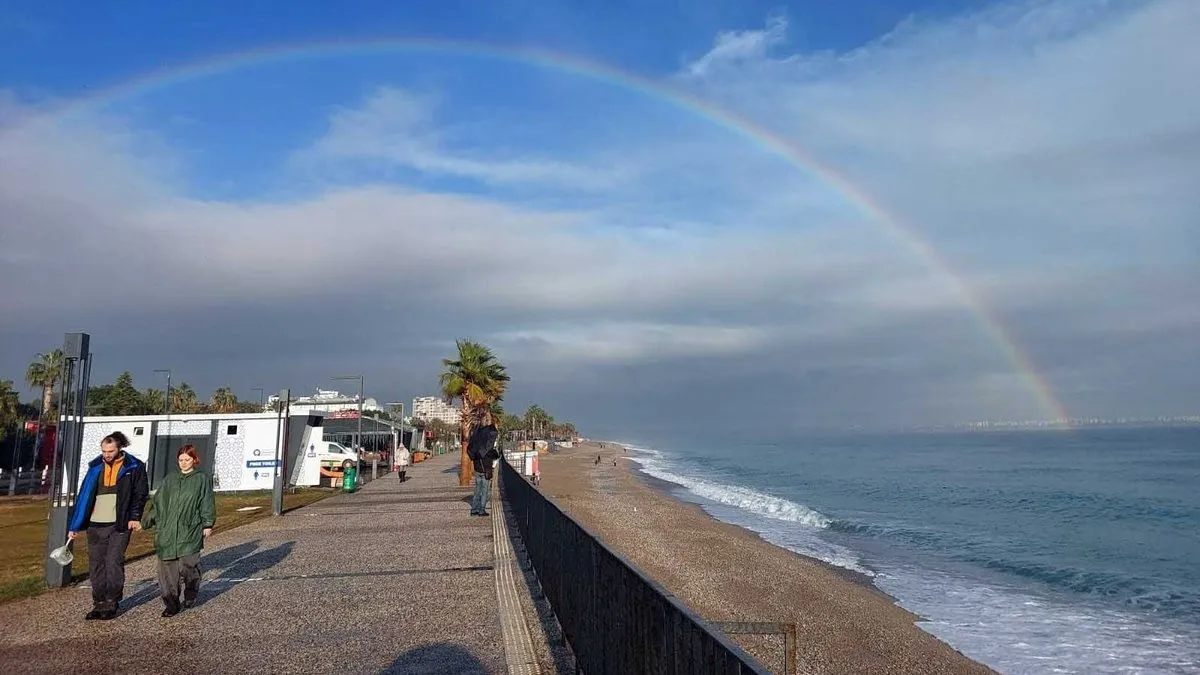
point(845, 624)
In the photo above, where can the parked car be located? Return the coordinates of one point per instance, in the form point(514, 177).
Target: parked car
point(329, 451)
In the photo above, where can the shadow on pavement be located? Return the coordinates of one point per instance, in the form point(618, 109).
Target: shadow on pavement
point(239, 561)
point(435, 659)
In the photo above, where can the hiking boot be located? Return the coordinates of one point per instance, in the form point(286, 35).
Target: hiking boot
point(94, 615)
point(172, 607)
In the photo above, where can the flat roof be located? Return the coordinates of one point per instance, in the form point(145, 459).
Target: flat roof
point(191, 418)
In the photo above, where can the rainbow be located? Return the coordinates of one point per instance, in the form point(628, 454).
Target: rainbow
point(734, 123)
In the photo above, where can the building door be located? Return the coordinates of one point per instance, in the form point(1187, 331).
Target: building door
point(166, 448)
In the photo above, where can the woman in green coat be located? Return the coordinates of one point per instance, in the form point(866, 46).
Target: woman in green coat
point(184, 513)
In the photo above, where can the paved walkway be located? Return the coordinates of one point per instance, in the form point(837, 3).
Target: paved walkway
point(397, 578)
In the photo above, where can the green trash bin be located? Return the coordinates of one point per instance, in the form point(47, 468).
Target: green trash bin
point(350, 478)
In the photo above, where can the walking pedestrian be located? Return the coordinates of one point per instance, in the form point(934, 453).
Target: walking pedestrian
point(109, 507)
point(184, 512)
point(481, 449)
point(403, 459)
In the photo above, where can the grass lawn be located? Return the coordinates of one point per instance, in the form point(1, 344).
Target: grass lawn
point(23, 535)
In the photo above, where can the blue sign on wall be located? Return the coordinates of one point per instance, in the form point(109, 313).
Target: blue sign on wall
point(261, 463)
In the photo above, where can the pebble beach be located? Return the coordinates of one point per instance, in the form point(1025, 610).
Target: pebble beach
point(727, 573)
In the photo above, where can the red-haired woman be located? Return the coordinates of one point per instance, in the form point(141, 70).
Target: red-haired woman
point(184, 512)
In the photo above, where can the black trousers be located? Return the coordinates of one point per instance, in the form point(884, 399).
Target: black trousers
point(106, 563)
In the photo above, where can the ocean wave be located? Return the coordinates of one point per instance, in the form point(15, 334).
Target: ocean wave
point(737, 496)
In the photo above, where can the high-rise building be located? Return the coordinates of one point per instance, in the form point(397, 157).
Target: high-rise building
point(435, 408)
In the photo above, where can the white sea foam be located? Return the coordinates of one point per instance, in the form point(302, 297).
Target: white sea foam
point(780, 521)
point(1017, 630)
point(755, 502)
point(1009, 627)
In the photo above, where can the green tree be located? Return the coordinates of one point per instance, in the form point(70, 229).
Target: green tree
point(154, 402)
point(442, 432)
point(10, 406)
point(508, 423)
point(184, 400)
point(223, 401)
point(249, 407)
point(477, 379)
point(538, 421)
point(45, 372)
point(124, 398)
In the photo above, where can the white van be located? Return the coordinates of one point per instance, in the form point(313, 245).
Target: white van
point(330, 452)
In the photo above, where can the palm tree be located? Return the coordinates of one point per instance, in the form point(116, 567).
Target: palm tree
point(537, 420)
point(223, 401)
point(183, 399)
point(476, 379)
point(154, 401)
point(45, 372)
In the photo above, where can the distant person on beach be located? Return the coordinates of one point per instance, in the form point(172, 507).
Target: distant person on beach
point(481, 449)
point(184, 512)
point(108, 508)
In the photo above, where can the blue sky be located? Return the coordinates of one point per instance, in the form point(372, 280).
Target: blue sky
point(1043, 150)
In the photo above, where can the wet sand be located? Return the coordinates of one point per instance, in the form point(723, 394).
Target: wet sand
point(727, 573)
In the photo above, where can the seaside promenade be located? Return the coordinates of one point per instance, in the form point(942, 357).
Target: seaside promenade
point(397, 578)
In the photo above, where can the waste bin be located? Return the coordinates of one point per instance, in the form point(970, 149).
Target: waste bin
point(350, 478)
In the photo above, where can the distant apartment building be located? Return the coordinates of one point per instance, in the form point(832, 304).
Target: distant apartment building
point(435, 408)
point(327, 400)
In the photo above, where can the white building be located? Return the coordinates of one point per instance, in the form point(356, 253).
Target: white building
point(327, 400)
point(238, 449)
point(435, 408)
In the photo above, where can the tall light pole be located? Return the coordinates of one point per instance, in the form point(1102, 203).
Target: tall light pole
point(260, 397)
point(357, 436)
point(166, 396)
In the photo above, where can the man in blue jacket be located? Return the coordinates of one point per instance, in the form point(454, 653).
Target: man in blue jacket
point(109, 507)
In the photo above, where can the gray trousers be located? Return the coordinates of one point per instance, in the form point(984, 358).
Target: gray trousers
point(106, 563)
point(172, 573)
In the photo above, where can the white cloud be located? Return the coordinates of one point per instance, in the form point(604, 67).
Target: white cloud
point(739, 47)
point(1048, 150)
point(629, 341)
point(398, 127)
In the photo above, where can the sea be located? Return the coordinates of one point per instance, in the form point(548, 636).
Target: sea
point(1065, 551)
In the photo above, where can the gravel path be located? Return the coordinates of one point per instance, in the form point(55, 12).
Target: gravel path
point(396, 578)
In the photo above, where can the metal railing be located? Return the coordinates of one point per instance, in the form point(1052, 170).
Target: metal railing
point(786, 629)
point(22, 483)
point(616, 619)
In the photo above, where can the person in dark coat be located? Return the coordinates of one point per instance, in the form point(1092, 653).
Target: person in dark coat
point(481, 449)
point(184, 512)
point(109, 507)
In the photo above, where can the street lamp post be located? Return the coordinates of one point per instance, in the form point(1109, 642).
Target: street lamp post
point(167, 410)
point(166, 396)
point(260, 397)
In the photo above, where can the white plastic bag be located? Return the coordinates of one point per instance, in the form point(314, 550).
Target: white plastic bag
point(62, 555)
